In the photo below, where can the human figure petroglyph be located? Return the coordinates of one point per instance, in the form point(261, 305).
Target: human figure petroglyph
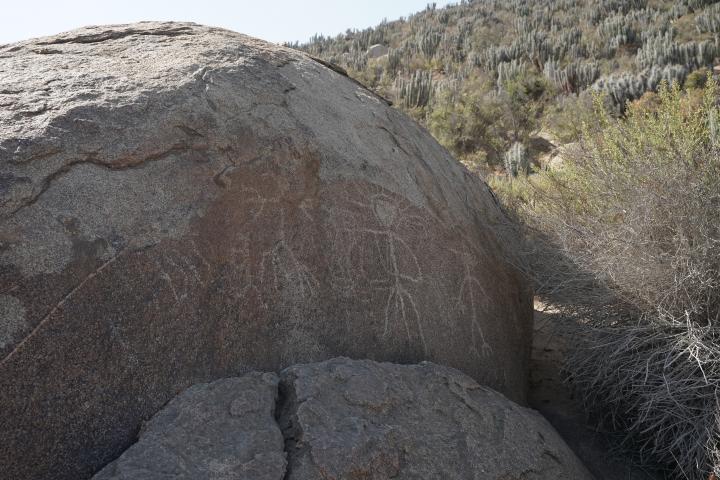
point(474, 306)
point(277, 264)
point(282, 267)
point(381, 223)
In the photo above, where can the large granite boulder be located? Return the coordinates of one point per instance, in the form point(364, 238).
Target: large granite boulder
point(347, 419)
point(181, 203)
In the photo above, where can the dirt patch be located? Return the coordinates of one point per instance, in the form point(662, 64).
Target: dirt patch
point(554, 333)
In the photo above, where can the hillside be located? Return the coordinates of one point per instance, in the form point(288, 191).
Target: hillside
point(486, 76)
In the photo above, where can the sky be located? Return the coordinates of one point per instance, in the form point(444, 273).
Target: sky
point(273, 20)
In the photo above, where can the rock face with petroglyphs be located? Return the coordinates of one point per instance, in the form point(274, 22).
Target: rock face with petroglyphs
point(347, 419)
point(181, 203)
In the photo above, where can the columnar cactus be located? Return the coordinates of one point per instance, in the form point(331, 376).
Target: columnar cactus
point(709, 20)
point(428, 41)
point(662, 50)
point(624, 87)
point(574, 77)
point(698, 4)
point(394, 61)
point(507, 71)
point(415, 91)
point(617, 28)
point(517, 160)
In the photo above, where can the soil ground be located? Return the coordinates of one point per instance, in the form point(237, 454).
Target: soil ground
point(554, 333)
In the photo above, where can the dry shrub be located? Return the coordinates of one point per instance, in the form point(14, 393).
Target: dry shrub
point(627, 236)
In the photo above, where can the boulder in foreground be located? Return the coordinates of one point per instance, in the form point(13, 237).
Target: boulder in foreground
point(345, 419)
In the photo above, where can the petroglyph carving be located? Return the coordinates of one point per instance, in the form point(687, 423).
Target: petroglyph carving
point(472, 303)
point(371, 233)
point(278, 266)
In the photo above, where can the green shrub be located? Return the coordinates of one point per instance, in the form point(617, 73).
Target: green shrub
point(470, 119)
point(566, 117)
point(696, 79)
point(629, 237)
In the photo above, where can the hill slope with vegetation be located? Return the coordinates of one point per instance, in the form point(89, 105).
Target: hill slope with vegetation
point(485, 76)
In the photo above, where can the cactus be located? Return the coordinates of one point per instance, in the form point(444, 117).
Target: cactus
point(428, 42)
point(625, 87)
point(662, 50)
point(618, 30)
point(394, 61)
point(452, 47)
point(415, 91)
point(574, 78)
point(536, 47)
point(698, 4)
point(669, 74)
point(605, 8)
point(495, 55)
point(708, 20)
point(517, 160)
point(678, 10)
point(620, 88)
point(356, 60)
point(507, 71)
point(477, 46)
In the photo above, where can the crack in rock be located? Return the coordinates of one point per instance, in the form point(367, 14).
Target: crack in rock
point(338, 69)
point(115, 166)
point(105, 35)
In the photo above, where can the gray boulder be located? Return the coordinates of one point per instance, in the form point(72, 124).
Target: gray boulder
point(377, 51)
point(344, 420)
point(181, 203)
point(361, 419)
point(224, 430)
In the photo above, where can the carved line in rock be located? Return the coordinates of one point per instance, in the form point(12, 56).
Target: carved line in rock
point(182, 265)
point(386, 220)
point(58, 306)
point(468, 287)
point(280, 262)
point(388, 217)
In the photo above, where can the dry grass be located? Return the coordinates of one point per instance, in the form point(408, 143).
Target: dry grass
point(628, 238)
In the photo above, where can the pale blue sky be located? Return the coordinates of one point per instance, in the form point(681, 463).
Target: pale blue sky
point(274, 20)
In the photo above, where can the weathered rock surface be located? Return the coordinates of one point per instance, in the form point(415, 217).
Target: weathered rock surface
point(348, 419)
point(362, 419)
point(224, 430)
point(181, 203)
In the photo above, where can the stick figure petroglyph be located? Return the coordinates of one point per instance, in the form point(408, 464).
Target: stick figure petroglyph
point(470, 304)
point(373, 237)
point(278, 262)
